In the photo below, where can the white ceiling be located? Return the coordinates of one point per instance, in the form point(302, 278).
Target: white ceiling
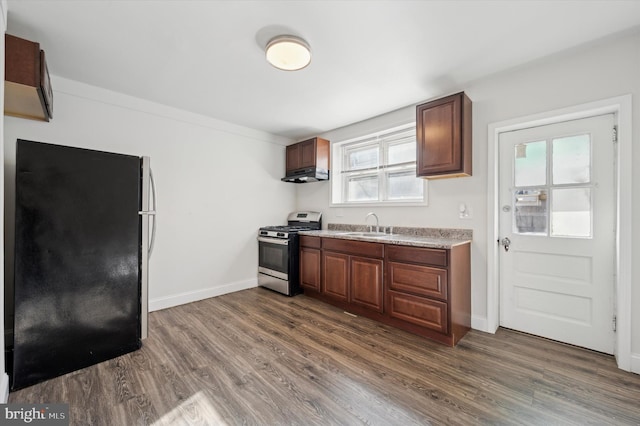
point(369, 57)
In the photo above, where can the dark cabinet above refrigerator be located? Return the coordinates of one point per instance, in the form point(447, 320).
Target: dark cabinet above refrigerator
point(27, 87)
point(307, 161)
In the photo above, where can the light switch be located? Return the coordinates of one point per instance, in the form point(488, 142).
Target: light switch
point(463, 211)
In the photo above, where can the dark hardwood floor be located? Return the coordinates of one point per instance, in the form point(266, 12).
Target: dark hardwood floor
point(256, 357)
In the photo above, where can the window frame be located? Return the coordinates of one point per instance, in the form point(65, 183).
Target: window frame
point(382, 140)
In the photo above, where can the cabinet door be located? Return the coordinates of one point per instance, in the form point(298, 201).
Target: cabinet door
point(443, 133)
point(366, 283)
point(335, 275)
point(307, 155)
point(310, 268)
point(293, 157)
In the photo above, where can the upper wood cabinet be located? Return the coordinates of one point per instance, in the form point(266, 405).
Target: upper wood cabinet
point(27, 88)
point(306, 154)
point(443, 133)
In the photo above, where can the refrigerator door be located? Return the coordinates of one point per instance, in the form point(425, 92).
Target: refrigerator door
point(77, 259)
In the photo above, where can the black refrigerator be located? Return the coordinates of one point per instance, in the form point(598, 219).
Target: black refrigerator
point(81, 258)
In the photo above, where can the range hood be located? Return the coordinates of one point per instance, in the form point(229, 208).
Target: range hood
point(310, 174)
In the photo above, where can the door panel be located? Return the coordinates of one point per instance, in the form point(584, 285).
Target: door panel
point(558, 212)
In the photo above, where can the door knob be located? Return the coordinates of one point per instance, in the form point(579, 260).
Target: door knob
point(506, 242)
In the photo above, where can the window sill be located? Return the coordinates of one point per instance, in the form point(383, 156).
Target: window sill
point(382, 204)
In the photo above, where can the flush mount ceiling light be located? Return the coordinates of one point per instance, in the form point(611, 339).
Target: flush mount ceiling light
point(289, 53)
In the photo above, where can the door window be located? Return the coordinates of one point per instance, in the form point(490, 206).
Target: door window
point(552, 187)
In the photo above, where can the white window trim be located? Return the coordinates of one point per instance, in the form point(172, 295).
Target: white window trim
point(336, 170)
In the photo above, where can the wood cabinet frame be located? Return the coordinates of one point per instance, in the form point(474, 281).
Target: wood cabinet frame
point(421, 290)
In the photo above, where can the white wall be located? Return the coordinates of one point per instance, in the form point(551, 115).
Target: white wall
point(601, 70)
point(217, 183)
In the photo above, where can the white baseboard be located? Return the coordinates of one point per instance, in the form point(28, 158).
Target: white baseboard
point(4, 388)
point(480, 323)
point(635, 363)
point(194, 296)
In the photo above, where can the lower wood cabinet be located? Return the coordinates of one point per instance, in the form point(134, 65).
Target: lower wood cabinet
point(418, 279)
point(421, 290)
point(427, 313)
point(310, 268)
point(367, 283)
point(335, 275)
point(310, 261)
point(349, 277)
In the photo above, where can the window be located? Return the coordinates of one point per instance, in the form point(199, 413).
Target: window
point(378, 168)
point(552, 194)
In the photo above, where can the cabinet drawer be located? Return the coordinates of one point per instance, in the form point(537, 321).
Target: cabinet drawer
point(361, 248)
point(420, 311)
point(309, 241)
point(437, 257)
point(418, 279)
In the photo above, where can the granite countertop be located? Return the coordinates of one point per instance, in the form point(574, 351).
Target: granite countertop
point(416, 237)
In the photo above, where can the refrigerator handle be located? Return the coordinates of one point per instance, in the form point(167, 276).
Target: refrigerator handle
point(147, 190)
point(153, 209)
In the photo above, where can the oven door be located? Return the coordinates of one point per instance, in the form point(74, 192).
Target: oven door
point(273, 257)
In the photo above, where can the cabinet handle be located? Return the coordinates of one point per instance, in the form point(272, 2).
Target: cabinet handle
point(439, 280)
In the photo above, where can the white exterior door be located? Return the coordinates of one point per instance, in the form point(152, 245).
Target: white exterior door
point(557, 214)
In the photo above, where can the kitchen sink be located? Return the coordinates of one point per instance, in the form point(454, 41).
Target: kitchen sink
point(366, 234)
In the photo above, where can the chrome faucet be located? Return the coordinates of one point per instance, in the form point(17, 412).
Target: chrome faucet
point(377, 221)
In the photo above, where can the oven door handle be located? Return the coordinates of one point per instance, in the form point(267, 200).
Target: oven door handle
point(274, 241)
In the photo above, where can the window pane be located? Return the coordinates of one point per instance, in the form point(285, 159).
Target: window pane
point(571, 212)
point(362, 158)
point(404, 186)
point(402, 153)
point(363, 188)
point(572, 159)
point(530, 211)
point(531, 164)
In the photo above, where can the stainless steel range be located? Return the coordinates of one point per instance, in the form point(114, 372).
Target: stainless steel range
point(278, 255)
